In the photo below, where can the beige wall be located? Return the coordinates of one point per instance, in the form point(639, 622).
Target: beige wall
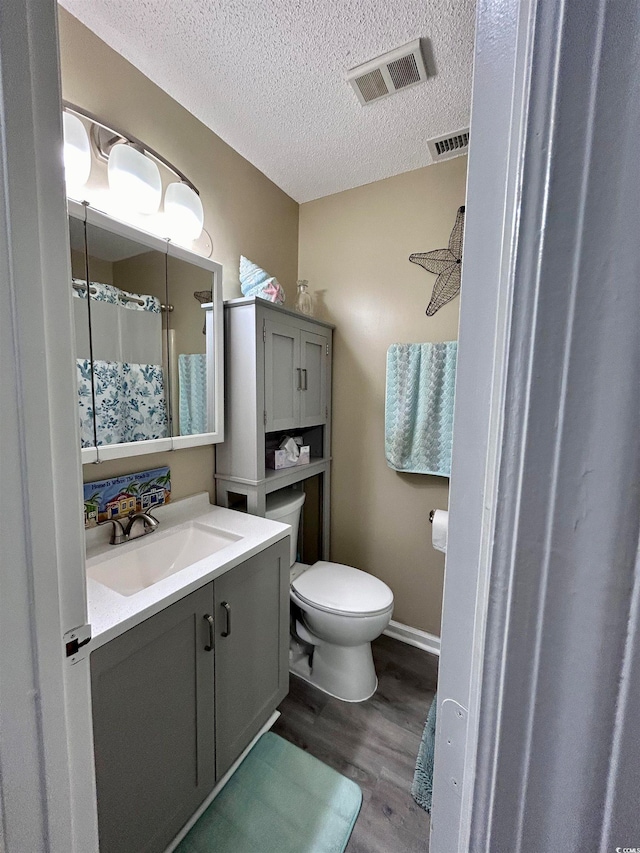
point(354, 249)
point(245, 213)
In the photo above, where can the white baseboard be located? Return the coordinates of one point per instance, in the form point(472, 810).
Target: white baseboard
point(413, 637)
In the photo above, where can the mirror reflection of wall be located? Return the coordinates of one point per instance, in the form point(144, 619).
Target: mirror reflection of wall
point(190, 339)
point(127, 287)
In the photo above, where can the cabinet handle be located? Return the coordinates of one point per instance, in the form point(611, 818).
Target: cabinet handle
point(304, 372)
point(209, 619)
point(299, 372)
point(227, 608)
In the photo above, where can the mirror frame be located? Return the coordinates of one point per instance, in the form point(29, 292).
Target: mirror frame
point(215, 330)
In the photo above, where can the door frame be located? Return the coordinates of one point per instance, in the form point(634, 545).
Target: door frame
point(47, 792)
point(537, 744)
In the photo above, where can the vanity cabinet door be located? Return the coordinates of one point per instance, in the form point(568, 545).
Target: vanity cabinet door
point(282, 376)
point(251, 649)
point(153, 719)
point(314, 357)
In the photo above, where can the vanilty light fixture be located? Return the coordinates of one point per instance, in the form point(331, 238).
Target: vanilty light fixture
point(134, 178)
point(183, 211)
point(77, 151)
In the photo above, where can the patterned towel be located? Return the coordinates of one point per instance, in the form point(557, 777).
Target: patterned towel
point(419, 407)
point(192, 370)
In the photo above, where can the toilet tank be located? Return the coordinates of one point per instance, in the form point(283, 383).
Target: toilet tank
point(285, 506)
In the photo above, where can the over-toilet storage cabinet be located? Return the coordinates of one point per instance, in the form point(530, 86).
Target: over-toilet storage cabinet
point(295, 376)
point(173, 710)
point(277, 379)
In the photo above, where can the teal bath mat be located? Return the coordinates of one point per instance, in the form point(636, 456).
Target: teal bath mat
point(280, 800)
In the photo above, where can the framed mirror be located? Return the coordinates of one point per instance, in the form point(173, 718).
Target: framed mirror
point(148, 378)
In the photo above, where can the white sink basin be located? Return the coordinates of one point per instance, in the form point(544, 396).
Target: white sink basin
point(145, 561)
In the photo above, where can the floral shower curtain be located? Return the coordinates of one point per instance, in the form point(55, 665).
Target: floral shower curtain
point(128, 380)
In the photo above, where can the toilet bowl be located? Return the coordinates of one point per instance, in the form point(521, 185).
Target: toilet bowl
point(339, 611)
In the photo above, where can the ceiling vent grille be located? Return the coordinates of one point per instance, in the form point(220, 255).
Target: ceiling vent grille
point(388, 74)
point(451, 145)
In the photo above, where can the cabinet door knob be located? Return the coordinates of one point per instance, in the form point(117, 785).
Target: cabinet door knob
point(299, 372)
point(227, 608)
point(209, 620)
point(304, 374)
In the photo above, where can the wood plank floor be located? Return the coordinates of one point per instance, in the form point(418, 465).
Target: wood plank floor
point(375, 743)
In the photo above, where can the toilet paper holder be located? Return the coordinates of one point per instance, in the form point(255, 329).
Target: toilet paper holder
point(431, 515)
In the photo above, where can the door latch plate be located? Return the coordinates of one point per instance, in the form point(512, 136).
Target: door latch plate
point(74, 640)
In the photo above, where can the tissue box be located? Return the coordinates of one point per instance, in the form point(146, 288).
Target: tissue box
point(278, 458)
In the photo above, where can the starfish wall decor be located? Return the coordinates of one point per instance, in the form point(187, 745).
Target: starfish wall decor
point(446, 264)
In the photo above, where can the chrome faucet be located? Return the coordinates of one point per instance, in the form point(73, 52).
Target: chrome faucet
point(148, 522)
point(139, 524)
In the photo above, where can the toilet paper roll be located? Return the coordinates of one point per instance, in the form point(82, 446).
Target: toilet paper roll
point(439, 529)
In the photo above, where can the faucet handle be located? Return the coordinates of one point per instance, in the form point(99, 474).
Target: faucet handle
point(145, 516)
point(149, 523)
point(118, 535)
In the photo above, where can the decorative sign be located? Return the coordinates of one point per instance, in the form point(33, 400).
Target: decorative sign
point(117, 497)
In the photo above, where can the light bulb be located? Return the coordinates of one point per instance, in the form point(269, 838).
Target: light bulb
point(134, 179)
point(77, 152)
point(183, 212)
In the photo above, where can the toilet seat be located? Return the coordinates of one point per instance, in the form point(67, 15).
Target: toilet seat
point(342, 590)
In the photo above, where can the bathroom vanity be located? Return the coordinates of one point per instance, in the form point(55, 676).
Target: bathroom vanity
point(184, 671)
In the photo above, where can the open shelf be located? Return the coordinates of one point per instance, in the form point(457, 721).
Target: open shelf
point(288, 476)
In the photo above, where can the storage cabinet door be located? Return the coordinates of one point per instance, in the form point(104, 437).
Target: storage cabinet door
point(252, 649)
point(282, 376)
point(313, 394)
point(153, 718)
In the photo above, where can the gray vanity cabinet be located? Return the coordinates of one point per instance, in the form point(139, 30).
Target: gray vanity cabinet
point(177, 698)
point(153, 721)
point(251, 649)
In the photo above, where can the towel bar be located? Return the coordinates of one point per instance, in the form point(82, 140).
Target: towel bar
point(431, 514)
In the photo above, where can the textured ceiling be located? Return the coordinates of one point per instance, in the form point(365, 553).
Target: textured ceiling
point(268, 76)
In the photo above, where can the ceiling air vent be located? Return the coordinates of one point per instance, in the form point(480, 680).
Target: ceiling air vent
point(451, 145)
point(387, 74)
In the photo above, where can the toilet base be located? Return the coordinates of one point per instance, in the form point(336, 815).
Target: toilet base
point(344, 672)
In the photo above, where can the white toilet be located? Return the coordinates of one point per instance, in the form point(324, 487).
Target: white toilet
point(343, 609)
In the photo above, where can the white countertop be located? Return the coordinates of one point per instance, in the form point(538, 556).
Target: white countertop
point(110, 613)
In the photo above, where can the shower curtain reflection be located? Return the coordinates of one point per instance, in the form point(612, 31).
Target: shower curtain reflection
point(127, 375)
